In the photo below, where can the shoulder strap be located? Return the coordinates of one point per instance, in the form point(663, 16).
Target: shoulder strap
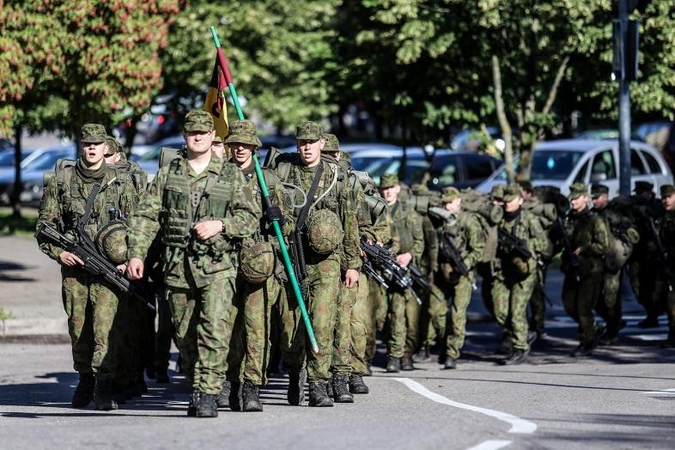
point(312, 190)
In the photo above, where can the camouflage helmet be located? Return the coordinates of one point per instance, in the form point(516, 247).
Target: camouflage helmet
point(324, 231)
point(257, 261)
point(111, 241)
point(332, 143)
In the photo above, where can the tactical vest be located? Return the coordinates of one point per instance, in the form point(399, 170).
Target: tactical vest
point(402, 224)
point(178, 212)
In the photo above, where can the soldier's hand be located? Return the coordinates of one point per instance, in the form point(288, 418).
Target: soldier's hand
point(135, 269)
point(70, 259)
point(404, 259)
point(207, 229)
point(351, 278)
point(273, 213)
point(576, 251)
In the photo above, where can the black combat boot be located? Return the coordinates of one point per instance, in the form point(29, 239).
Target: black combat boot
point(202, 405)
point(423, 355)
point(250, 394)
point(329, 387)
point(517, 357)
point(393, 365)
point(318, 395)
point(162, 376)
point(341, 392)
point(450, 363)
point(84, 392)
point(356, 384)
point(407, 362)
point(103, 396)
point(296, 387)
point(223, 400)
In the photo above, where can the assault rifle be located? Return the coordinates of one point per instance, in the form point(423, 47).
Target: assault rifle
point(419, 278)
point(94, 263)
point(372, 273)
point(451, 254)
point(513, 244)
point(382, 259)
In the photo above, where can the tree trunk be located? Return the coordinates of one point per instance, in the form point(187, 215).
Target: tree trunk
point(507, 133)
point(16, 195)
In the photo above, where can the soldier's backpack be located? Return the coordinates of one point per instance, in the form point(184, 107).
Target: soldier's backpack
point(488, 215)
point(622, 235)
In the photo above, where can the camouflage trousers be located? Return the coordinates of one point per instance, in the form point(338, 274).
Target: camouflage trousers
point(433, 317)
point(456, 333)
point(362, 324)
point(376, 297)
point(404, 314)
point(258, 301)
point(509, 300)
point(667, 298)
point(579, 299)
point(608, 305)
point(342, 352)
point(91, 307)
point(538, 303)
point(203, 318)
point(165, 333)
point(323, 288)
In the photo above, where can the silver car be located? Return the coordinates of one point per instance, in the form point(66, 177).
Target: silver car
point(564, 162)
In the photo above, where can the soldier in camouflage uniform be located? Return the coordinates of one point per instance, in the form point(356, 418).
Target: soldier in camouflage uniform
point(404, 310)
point(260, 277)
point(465, 233)
point(202, 208)
point(329, 240)
point(583, 265)
point(516, 275)
point(77, 201)
point(666, 283)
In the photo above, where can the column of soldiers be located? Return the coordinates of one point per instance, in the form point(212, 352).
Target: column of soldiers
point(203, 240)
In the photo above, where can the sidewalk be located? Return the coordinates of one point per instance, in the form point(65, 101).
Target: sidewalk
point(30, 290)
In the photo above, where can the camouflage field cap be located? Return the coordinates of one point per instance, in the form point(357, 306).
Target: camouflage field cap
point(388, 180)
point(345, 156)
point(93, 133)
point(667, 190)
point(497, 192)
point(449, 194)
point(332, 143)
point(198, 120)
point(577, 190)
point(512, 192)
point(217, 140)
point(643, 186)
point(598, 189)
point(113, 146)
point(243, 132)
point(309, 131)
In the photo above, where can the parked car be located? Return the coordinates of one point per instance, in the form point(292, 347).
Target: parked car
point(6, 144)
point(471, 139)
point(564, 162)
point(32, 175)
point(378, 161)
point(460, 169)
point(7, 161)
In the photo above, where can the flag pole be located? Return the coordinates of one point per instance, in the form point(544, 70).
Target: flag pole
point(266, 199)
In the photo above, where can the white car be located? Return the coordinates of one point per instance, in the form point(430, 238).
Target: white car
point(564, 162)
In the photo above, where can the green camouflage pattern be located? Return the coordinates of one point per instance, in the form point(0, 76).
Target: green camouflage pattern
point(309, 131)
point(243, 132)
point(198, 120)
point(93, 133)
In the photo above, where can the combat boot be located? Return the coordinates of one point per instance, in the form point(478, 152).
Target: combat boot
point(84, 392)
point(407, 362)
point(102, 395)
point(450, 363)
point(250, 394)
point(329, 387)
point(223, 400)
point(162, 376)
point(318, 395)
point(423, 355)
point(296, 387)
point(341, 392)
point(356, 384)
point(203, 405)
point(393, 365)
point(517, 357)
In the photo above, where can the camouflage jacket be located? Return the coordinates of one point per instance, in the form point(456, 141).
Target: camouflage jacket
point(65, 198)
point(667, 236)
point(222, 194)
point(590, 232)
point(466, 233)
point(407, 226)
point(334, 197)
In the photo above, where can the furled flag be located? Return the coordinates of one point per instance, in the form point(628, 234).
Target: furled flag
point(215, 101)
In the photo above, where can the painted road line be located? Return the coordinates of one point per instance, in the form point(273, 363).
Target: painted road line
point(518, 425)
point(663, 392)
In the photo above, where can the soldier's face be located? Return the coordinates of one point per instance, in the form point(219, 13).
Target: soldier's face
point(111, 160)
point(390, 194)
point(93, 153)
point(669, 202)
point(310, 151)
point(580, 203)
point(199, 142)
point(513, 205)
point(242, 153)
point(218, 149)
point(601, 201)
point(454, 206)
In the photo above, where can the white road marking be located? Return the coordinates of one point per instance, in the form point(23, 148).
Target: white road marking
point(518, 425)
point(665, 392)
point(490, 445)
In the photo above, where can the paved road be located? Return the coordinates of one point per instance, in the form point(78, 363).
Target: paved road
point(621, 398)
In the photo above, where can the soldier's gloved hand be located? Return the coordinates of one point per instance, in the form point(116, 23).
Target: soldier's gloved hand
point(274, 213)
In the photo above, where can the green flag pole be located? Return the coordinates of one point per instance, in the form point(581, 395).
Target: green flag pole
point(266, 199)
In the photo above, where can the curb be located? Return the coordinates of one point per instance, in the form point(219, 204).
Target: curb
point(28, 327)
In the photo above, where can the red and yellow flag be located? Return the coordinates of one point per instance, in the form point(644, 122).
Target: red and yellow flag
point(215, 101)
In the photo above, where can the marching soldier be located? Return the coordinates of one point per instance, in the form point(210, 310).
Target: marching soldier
point(202, 209)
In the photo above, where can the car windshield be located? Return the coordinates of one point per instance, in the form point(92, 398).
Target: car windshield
point(550, 165)
point(46, 161)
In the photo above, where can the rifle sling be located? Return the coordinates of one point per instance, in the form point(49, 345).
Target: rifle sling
point(302, 217)
point(98, 183)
